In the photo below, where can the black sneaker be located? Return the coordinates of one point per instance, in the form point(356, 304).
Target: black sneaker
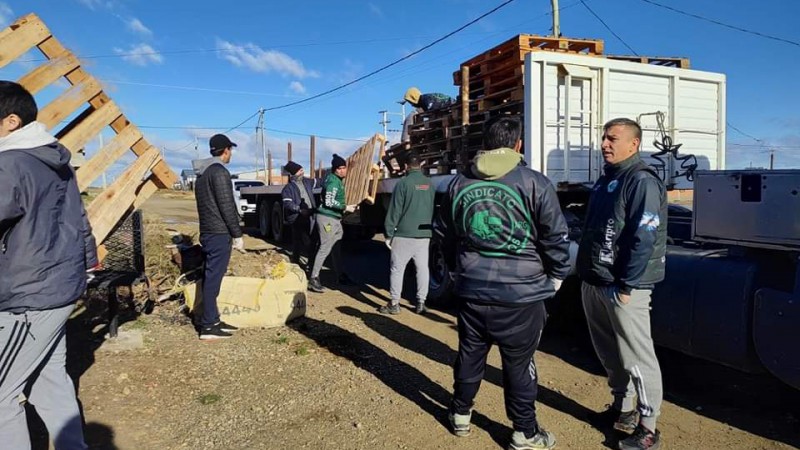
point(420, 309)
point(612, 418)
point(315, 286)
point(213, 332)
point(226, 327)
point(345, 280)
point(389, 309)
point(641, 439)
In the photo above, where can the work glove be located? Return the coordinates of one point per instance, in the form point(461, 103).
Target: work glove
point(556, 283)
point(90, 273)
point(238, 245)
point(350, 208)
point(388, 243)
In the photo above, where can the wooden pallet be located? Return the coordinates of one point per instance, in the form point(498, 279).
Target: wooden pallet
point(681, 63)
point(363, 174)
point(96, 111)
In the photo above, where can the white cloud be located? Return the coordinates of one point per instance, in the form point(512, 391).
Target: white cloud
point(255, 58)
point(140, 55)
point(297, 87)
point(94, 4)
point(6, 15)
point(138, 27)
point(375, 10)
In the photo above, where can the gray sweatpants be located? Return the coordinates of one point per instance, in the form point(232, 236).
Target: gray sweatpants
point(330, 233)
point(621, 337)
point(36, 341)
point(404, 250)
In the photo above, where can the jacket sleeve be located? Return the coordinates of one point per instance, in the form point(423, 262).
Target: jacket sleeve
point(289, 203)
point(90, 245)
point(332, 188)
point(396, 208)
point(10, 209)
point(223, 193)
point(637, 243)
point(444, 228)
point(552, 231)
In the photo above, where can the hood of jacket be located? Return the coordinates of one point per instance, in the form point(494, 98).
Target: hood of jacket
point(200, 165)
point(494, 164)
point(34, 140)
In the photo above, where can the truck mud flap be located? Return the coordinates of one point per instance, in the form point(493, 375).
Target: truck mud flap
point(775, 321)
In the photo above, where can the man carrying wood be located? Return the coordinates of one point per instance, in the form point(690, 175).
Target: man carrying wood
point(408, 233)
point(329, 224)
point(47, 248)
point(219, 231)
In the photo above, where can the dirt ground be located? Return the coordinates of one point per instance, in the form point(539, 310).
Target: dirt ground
point(346, 377)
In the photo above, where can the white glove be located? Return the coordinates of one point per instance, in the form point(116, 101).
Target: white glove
point(350, 208)
point(556, 283)
point(388, 243)
point(238, 245)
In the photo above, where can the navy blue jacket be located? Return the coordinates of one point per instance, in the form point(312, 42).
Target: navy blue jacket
point(47, 243)
point(624, 241)
point(509, 234)
point(293, 203)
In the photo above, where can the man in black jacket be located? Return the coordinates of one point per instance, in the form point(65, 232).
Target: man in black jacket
point(298, 212)
point(219, 223)
point(47, 248)
point(620, 259)
point(504, 223)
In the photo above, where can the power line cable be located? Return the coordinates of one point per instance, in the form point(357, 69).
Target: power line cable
point(722, 24)
point(609, 28)
point(760, 141)
point(381, 69)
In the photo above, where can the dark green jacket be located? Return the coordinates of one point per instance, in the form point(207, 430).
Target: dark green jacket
point(333, 201)
point(624, 239)
point(411, 211)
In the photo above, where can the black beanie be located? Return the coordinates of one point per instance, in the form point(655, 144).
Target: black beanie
point(292, 167)
point(337, 162)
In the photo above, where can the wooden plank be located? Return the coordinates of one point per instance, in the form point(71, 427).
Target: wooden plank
point(21, 36)
point(465, 96)
point(165, 177)
point(89, 127)
point(108, 208)
point(106, 156)
point(48, 73)
point(145, 191)
point(66, 103)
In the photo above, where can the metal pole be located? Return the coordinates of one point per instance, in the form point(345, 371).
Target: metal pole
point(556, 24)
point(384, 121)
point(263, 144)
point(771, 159)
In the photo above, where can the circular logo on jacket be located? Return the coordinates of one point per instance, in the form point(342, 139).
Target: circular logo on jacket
point(612, 186)
point(493, 217)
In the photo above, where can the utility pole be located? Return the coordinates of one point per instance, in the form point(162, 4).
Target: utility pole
point(260, 128)
point(771, 158)
point(556, 24)
point(196, 148)
point(384, 121)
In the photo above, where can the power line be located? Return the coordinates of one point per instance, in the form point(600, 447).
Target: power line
point(193, 88)
point(376, 71)
point(743, 133)
point(722, 24)
point(609, 28)
point(274, 130)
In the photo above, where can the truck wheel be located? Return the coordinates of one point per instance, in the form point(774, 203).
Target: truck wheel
point(263, 212)
point(277, 222)
point(441, 280)
point(250, 220)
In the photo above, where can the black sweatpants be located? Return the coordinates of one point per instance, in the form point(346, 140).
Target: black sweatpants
point(304, 240)
point(516, 329)
point(217, 253)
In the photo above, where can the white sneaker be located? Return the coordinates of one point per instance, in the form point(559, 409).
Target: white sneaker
point(541, 440)
point(459, 423)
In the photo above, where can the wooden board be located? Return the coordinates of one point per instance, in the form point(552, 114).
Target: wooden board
point(20, 37)
point(85, 130)
point(106, 156)
point(49, 73)
point(66, 103)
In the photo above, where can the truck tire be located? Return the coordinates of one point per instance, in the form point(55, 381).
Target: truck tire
point(440, 288)
point(263, 212)
point(276, 222)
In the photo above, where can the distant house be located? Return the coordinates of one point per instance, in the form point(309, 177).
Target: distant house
point(187, 179)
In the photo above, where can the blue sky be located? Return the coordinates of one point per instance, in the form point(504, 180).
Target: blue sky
point(184, 69)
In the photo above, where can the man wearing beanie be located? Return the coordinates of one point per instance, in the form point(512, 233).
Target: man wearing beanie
point(219, 230)
point(329, 225)
point(298, 212)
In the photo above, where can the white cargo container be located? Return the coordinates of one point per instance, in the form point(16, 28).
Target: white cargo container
point(569, 97)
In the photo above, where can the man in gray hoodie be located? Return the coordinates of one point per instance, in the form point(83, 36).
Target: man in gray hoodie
point(47, 248)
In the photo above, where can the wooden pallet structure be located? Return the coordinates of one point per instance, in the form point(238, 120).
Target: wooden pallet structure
point(666, 61)
point(95, 111)
point(363, 173)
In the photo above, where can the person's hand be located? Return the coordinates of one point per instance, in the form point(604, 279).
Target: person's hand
point(556, 283)
point(350, 208)
point(238, 245)
point(388, 243)
point(624, 298)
